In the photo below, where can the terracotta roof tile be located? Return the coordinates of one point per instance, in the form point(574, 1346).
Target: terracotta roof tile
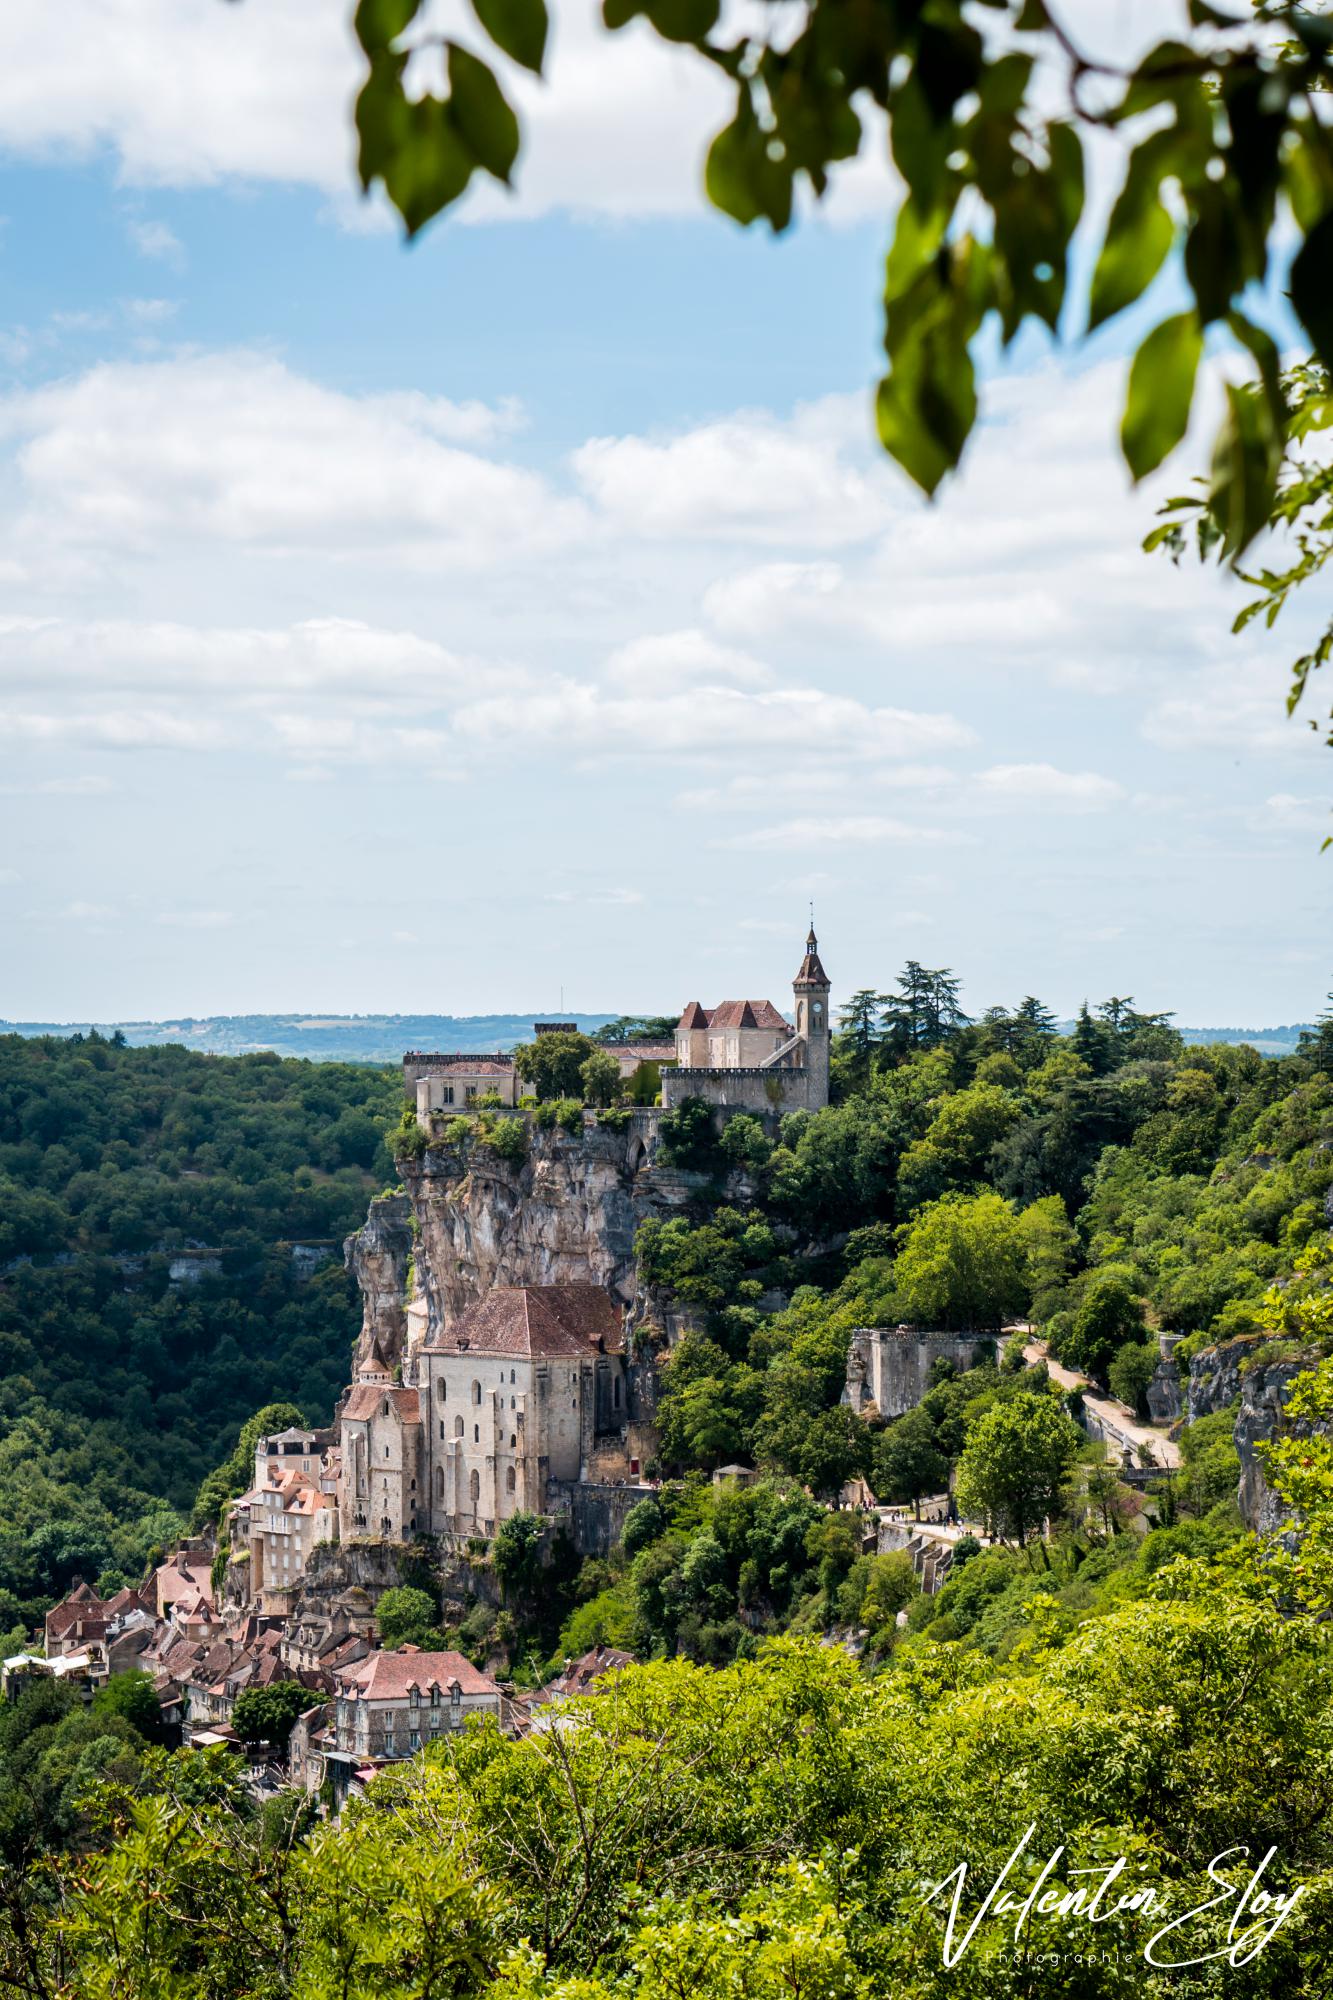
point(568, 1320)
point(367, 1397)
point(694, 1017)
point(746, 1014)
point(390, 1676)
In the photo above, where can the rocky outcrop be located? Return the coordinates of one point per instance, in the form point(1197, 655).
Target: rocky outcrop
point(1215, 1376)
point(1219, 1378)
point(1166, 1393)
point(1263, 1393)
point(351, 1577)
point(568, 1211)
point(378, 1257)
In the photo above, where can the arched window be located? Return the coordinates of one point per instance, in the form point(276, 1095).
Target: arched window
point(474, 1487)
point(442, 1390)
point(511, 1374)
point(439, 1482)
point(476, 1433)
point(458, 1427)
point(513, 1439)
point(385, 1411)
point(512, 1403)
point(476, 1392)
point(510, 1480)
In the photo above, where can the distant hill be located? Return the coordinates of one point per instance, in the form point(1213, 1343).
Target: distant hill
point(383, 1038)
point(365, 1038)
point(1269, 1041)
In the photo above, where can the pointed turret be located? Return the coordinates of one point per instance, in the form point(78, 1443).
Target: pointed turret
point(811, 990)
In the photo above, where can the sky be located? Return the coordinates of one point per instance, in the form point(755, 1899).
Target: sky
point(530, 611)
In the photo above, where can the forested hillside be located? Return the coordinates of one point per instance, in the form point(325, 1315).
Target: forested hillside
point(128, 1357)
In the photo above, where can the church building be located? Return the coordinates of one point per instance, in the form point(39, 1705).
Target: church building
point(527, 1386)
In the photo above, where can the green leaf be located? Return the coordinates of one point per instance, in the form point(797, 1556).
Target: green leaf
point(1161, 390)
point(674, 20)
point(1138, 236)
point(742, 178)
point(519, 27)
point(382, 119)
point(1312, 286)
point(380, 22)
point(480, 115)
point(1246, 459)
point(430, 169)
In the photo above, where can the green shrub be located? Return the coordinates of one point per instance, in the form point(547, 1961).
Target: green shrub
point(506, 1137)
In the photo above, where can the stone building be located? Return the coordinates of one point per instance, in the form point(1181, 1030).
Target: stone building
point(745, 1055)
point(454, 1083)
point(888, 1368)
point(524, 1393)
point(393, 1704)
point(520, 1390)
point(290, 1508)
point(382, 1469)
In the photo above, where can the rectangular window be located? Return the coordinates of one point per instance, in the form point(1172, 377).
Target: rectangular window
point(447, 1094)
point(414, 1740)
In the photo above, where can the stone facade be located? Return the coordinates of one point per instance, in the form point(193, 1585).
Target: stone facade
point(888, 1368)
point(291, 1507)
point(744, 1055)
point(521, 1396)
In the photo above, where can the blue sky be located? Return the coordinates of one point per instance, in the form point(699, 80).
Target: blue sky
point(391, 628)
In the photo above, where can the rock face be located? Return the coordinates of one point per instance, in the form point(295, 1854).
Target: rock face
point(1263, 1392)
point(1217, 1378)
point(378, 1257)
point(568, 1212)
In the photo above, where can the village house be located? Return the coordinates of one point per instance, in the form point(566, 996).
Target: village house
point(289, 1510)
point(393, 1704)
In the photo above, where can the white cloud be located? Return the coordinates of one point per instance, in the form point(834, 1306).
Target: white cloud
point(80, 912)
point(156, 239)
point(1236, 707)
point(114, 729)
point(191, 94)
point(195, 920)
point(1287, 812)
point(705, 721)
point(668, 658)
point(1027, 785)
point(759, 791)
point(852, 830)
point(320, 655)
point(236, 450)
point(747, 478)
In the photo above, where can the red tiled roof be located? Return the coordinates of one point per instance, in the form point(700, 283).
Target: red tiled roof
point(572, 1320)
point(126, 1600)
point(645, 1051)
point(694, 1016)
point(746, 1014)
point(580, 1675)
point(367, 1397)
point(390, 1676)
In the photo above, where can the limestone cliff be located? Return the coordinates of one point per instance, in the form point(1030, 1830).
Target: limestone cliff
point(1220, 1377)
point(378, 1256)
point(568, 1211)
point(469, 1220)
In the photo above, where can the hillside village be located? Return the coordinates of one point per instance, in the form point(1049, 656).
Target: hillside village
point(508, 1364)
